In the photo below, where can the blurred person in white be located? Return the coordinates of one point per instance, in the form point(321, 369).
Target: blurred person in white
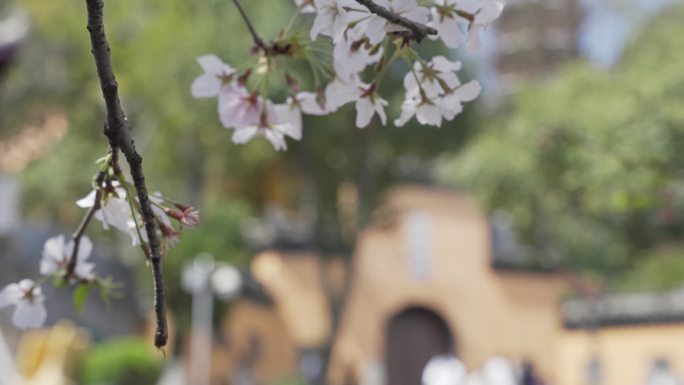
point(444, 370)
point(496, 371)
point(661, 374)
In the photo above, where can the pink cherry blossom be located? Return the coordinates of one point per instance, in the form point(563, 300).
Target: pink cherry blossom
point(239, 108)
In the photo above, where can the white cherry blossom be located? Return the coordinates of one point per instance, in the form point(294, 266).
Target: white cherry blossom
point(488, 12)
point(312, 103)
point(353, 54)
point(28, 301)
point(425, 111)
point(368, 104)
point(378, 27)
point(217, 75)
point(114, 208)
point(57, 254)
point(446, 21)
point(340, 92)
point(485, 12)
point(332, 17)
point(157, 208)
point(434, 92)
point(276, 122)
point(432, 78)
point(451, 104)
point(114, 211)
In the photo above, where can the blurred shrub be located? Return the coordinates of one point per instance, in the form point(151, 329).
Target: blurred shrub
point(120, 362)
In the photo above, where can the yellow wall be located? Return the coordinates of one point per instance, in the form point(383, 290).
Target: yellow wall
point(626, 354)
point(489, 313)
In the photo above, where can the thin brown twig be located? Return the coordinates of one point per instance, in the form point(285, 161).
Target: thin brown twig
point(117, 130)
point(269, 49)
point(255, 36)
point(418, 31)
point(80, 230)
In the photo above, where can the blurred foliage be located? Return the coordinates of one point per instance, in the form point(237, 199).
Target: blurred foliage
point(187, 155)
point(120, 362)
point(659, 269)
point(589, 164)
point(218, 234)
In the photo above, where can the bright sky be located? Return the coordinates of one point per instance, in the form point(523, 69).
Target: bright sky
point(609, 25)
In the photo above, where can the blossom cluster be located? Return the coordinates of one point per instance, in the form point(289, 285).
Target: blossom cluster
point(69, 260)
point(363, 45)
point(117, 209)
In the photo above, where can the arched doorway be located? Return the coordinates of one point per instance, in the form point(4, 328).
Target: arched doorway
point(413, 337)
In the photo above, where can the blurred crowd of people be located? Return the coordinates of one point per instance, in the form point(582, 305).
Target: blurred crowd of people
point(449, 370)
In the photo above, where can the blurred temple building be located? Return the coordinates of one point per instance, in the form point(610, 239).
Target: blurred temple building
point(431, 276)
point(534, 37)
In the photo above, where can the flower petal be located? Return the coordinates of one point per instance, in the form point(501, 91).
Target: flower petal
point(364, 112)
point(469, 91)
point(87, 201)
point(10, 295)
point(29, 315)
point(205, 86)
point(211, 64)
point(375, 31)
point(450, 32)
point(244, 134)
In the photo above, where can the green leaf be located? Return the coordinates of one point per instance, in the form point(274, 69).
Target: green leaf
point(80, 296)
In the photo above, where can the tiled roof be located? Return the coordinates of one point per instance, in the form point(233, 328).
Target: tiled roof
point(625, 309)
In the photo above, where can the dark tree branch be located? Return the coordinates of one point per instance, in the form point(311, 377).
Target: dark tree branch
point(418, 30)
point(118, 132)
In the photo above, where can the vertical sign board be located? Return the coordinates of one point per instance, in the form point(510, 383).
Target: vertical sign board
point(418, 237)
point(10, 202)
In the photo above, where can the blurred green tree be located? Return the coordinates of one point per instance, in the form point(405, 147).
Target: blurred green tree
point(589, 164)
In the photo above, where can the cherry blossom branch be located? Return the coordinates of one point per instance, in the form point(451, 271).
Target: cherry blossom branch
point(118, 132)
point(418, 31)
point(255, 36)
point(78, 234)
point(269, 49)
